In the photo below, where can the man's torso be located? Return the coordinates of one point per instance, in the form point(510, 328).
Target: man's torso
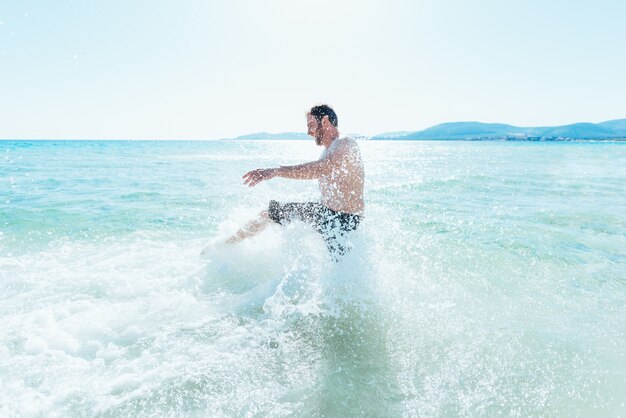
point(342, 188)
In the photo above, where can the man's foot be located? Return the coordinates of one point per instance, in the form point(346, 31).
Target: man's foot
point(218, 244)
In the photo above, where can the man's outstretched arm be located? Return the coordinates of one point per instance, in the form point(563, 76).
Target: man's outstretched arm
point(306, 171)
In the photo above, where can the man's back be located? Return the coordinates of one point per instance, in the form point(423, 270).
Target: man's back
point(342, 187)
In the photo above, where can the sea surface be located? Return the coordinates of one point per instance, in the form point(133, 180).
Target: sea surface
point(487, 279)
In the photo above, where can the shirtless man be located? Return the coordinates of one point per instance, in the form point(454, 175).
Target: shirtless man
point(340, 175)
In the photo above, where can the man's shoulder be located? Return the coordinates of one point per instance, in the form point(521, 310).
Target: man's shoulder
point(347, 142)
point(342, 146)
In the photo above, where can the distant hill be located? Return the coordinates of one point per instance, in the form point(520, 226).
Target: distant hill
point(576, 131)
point(618, 124)
point(478, 130)
point(464, 130)
point(613, 129)
point(390, 135)
point(266, 135)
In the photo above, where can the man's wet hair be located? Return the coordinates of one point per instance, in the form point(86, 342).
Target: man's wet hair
point(318, 112)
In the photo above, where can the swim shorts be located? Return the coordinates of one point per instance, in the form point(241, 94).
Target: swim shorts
point(332, 225)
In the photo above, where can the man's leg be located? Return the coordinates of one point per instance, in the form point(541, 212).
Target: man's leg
point(252, 228)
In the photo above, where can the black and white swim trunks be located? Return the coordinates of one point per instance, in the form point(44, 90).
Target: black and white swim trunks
point(332, 225)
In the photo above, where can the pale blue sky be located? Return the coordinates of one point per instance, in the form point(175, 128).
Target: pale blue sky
point(201, 69)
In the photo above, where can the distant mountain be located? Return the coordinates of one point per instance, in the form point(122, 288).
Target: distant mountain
point(617, 124)
point(613, 129)
point(478, 130)
point(462, 130)
point(266, 135)
point(389, 135)
point(576, 131)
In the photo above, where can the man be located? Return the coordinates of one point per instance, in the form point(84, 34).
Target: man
point(340, 174)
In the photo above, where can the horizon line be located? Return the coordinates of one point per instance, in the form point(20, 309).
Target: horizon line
point(293, 132)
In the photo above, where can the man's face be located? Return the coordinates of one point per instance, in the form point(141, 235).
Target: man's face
point(314, 129)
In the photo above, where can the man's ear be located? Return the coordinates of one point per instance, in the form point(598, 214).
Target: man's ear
point(325, 121)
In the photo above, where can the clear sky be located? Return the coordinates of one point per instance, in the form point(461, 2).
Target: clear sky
point(206, 69)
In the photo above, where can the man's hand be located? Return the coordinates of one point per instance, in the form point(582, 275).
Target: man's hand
point(254, 177)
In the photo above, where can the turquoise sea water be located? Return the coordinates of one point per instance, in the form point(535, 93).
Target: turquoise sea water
point(487, 279)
